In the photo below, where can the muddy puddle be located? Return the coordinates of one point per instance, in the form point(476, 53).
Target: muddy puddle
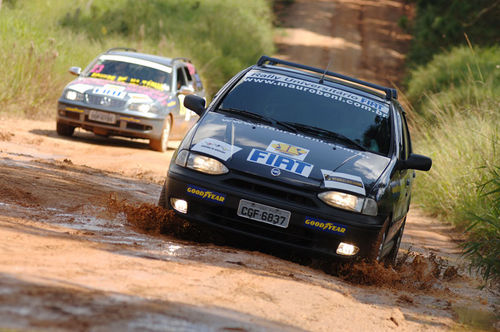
point(412, 272)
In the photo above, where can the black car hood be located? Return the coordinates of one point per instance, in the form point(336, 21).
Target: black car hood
point(281, 155)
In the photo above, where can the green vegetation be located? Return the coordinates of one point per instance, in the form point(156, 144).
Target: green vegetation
point(441, 24)
point(454, 89)
point(484, 244)
point(42, 39)
point(456, 98)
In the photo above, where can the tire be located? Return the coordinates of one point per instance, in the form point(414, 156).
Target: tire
point(64, 129)
point(162, 201)
point(378, 245)
point(393, 254)
point(161, 144)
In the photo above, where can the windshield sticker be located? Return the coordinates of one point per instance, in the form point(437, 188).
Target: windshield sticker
point(287, 150)
point(357, 101)
point(348, 182)
point(111, 90)
point(216, 148)
point(126, 79)
point(206, 194)
point(136, 61)
point(326, 226)
point(279, 161)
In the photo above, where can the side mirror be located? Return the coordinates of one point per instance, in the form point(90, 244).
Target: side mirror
point(195, 103)
point(75, 71)
point(416, 161)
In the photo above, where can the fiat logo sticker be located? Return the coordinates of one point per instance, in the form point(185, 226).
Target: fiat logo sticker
point(275, 172)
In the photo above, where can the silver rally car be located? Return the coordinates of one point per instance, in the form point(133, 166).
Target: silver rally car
point(130, 94)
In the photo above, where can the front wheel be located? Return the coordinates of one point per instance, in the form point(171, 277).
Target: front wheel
point(64, 129)
point(161, 144)
point(393, 254)
point(162, 201)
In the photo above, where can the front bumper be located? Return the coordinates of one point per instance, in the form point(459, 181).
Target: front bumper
point(125, 125)
point(359, 230)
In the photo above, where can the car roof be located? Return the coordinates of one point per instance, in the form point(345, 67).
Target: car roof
point(148, 57)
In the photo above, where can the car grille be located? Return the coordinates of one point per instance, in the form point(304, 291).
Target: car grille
point(225, 216)
point(271, 192)
point(104, 101)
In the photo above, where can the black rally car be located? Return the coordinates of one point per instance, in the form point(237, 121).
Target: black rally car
point(299, 156)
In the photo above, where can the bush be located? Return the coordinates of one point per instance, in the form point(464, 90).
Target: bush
point(456, 98)
point(42, 39)
point(222, 37)
point(455, 80)
point(483, 248)
point(442, 24)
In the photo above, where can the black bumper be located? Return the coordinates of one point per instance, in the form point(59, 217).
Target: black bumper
point(318, 239)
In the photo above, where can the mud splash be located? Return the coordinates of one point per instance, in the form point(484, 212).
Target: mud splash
point(152, 219)
point(413, 271)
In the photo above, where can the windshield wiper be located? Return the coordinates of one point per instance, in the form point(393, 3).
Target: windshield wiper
point(326, 133)
point(259, 117)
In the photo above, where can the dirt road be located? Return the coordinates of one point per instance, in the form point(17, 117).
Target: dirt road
point(72, 260)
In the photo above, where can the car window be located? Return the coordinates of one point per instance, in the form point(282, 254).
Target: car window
point(127, 72)
point(406, 139)
point(405, 147)
point(362, 120)
point(181, 79)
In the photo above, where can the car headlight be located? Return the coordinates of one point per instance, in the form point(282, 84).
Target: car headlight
point(144, 108)
point(200, 163)
point(73, 95)
point(350, 202)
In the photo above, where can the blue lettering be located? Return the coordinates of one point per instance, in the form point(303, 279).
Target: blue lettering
point(286, 162)
point(255, 155)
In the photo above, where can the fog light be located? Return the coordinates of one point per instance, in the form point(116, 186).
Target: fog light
point(179, 205)
point(347, 249)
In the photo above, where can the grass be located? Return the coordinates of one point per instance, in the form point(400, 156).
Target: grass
point(221, 36)
point(457, 123)
point(42, 39)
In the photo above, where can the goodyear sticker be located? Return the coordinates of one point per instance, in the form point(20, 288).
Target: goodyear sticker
point(216, 148)
point(277, 160)
point(326, 226)
point(288, 150)
point(206, 194)
point(343, 181)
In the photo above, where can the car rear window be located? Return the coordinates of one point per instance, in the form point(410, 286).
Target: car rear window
point(361, 119)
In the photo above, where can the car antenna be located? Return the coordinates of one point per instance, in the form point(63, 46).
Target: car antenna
point(324, 73)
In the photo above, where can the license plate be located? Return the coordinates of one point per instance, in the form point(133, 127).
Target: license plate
point(102, 117)
point(263, 213)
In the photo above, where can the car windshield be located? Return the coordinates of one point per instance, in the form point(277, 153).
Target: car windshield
point(129, 72)
point(314, 109)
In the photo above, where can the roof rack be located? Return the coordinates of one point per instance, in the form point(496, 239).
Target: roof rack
point(181, 59)
point(389, 92)
point(126, 49)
